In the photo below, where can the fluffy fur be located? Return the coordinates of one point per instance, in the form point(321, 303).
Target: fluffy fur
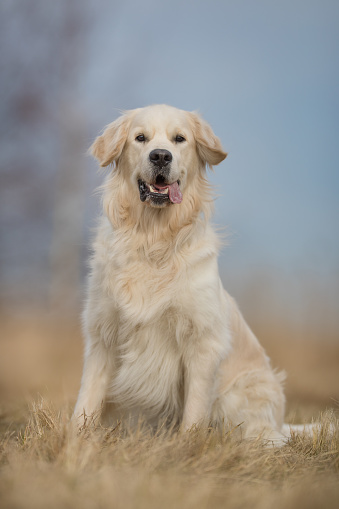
point(163, 339)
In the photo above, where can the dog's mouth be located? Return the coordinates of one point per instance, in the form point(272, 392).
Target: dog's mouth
point(160, 194)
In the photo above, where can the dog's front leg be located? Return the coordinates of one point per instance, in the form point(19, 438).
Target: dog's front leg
point(201, 367)
point(95, 378)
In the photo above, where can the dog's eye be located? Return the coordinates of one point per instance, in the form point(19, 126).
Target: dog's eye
point(140, 138)
point(179, 138)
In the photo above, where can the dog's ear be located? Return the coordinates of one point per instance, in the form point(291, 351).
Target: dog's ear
point(108, 147)
point(208, 144)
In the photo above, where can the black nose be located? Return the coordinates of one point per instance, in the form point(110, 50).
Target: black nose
point(160, 157)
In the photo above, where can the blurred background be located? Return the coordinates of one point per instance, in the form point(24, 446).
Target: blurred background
point(264, 74)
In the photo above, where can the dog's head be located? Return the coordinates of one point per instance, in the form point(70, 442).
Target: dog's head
point(159, 149)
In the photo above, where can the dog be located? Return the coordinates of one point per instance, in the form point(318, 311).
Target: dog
point(163, 340)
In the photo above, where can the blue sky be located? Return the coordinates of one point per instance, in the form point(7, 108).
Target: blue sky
point(265, 74)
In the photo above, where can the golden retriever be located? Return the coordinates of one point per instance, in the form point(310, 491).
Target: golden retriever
point(163, 339)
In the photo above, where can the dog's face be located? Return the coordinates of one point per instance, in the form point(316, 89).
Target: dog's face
point(159, 149)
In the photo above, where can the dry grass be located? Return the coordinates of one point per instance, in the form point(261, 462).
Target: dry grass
point(45, 466)
point(42, 464)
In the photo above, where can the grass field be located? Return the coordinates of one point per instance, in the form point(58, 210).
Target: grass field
point(43, 465)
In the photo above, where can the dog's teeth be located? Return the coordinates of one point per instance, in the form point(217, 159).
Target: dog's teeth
point(158, 191)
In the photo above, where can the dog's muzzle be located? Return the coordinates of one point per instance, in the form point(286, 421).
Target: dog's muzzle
point(160, 191)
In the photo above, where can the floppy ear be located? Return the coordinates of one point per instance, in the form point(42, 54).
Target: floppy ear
point(208, 144)
point(108, 147)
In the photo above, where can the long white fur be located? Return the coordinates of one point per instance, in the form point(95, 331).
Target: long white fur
point(163, 339)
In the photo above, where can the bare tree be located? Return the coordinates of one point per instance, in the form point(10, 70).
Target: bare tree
point(70, 185)
point(43, 133)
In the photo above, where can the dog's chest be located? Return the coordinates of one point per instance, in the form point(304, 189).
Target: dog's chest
point(144, 292)
point(150, 371)
point(162, 311)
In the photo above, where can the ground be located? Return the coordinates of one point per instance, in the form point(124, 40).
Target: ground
point(42, 463)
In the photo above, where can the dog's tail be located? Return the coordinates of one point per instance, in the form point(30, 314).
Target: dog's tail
point(314, 429)
point(300, 429)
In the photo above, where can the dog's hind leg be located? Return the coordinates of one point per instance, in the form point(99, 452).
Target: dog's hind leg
point(254, 405)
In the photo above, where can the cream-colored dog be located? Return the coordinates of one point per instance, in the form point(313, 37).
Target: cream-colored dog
point(163, 338)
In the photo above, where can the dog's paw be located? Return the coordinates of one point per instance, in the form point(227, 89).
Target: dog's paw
point(269, 437)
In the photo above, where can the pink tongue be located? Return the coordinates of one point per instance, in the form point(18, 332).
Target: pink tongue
point(174, 193)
